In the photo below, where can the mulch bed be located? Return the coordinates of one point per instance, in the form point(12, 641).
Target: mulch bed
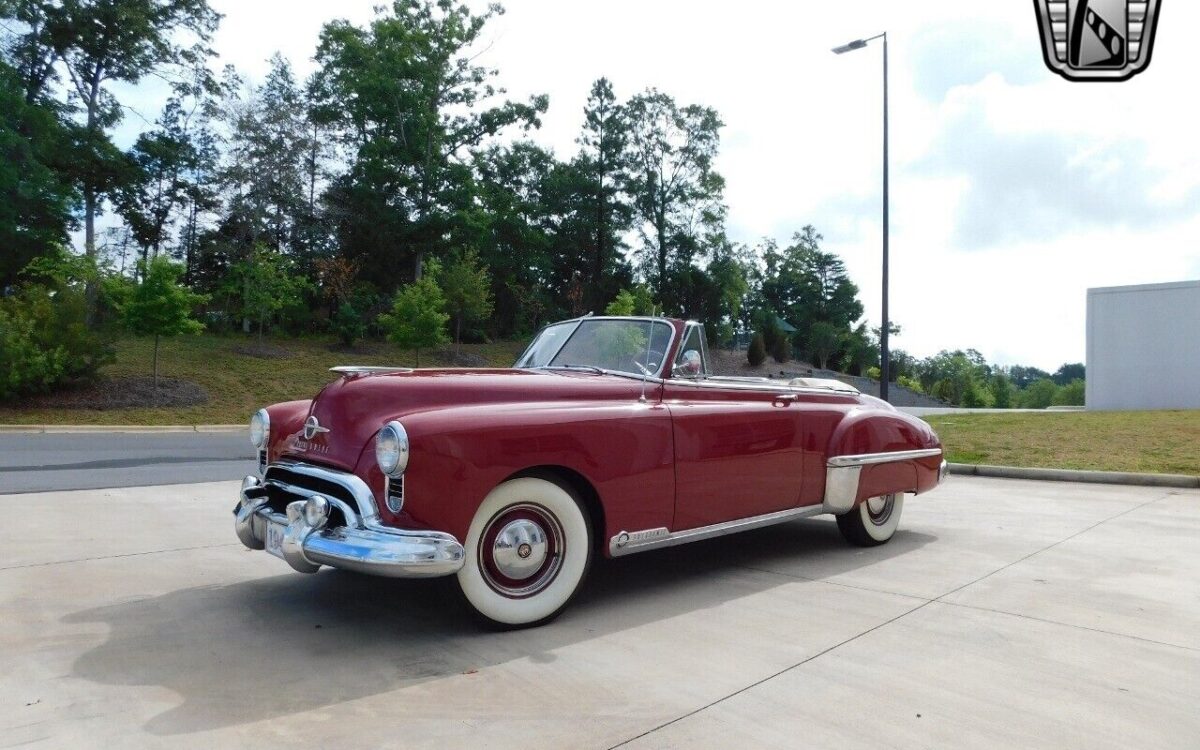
point(122, 393)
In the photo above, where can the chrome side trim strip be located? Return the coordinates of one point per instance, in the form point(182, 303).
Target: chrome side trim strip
point(865, 459)
point(629, 542)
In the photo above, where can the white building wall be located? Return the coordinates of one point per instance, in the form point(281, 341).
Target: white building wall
point(1143, 346)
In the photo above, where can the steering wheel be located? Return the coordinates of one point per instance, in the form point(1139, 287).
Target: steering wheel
point(651, 363)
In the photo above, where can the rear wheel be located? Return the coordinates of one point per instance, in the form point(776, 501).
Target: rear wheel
point(873, 522)
point(527, 551)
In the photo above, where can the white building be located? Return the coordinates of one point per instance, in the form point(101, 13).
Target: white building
point(1143, 346)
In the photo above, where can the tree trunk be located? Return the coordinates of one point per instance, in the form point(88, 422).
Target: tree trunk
point(156, 361)
point(458, 334)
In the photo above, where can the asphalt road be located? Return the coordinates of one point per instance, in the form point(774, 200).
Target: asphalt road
point(32, 462)
point(1004, 614)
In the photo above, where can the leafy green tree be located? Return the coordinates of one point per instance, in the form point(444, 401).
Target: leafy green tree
point(467, 287)
point(677, 194)
point(101, 42)
point(781, 351)
point(418, 318)
point(161, 306)
point(410, 105)
point(635, 301)
point(1002, 391)
point(823, 342)
point(603, 211)
point(35, 200)
point(1069, 373)
point(266, 283)
point(1071, 394)
point(1038, 395)
point(757, 353)
point(860, 351)
point(1022, 377)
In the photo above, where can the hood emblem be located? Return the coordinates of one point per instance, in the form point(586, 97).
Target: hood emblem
point(313, 427)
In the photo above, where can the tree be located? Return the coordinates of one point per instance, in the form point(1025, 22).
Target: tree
point(823, 341)
point(35, 200)
point(1071, 394)
point(266, 283)
point(100, 42)
point(1022, 377)
point(781, 350)
point(1069, 373)
point(410, 104)
point(860, 351)
point(418, 318)
point(677, 195)
point(757, 353)
point(160, 306)
point(635, 301)
point(1002, 391)
point(1038, 395)
point(604, 213)
point(467, 289)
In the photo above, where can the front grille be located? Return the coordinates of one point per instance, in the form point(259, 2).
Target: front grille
point(279, 497)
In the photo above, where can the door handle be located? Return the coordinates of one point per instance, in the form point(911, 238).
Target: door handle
point(787, 397)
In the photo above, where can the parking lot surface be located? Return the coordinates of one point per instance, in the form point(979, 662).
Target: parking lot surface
point(1003, 614)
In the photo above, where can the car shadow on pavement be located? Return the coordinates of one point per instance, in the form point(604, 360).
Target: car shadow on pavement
point(279, 645)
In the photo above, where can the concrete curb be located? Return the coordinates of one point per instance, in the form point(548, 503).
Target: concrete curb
point(84, 428)
point(1181, 481)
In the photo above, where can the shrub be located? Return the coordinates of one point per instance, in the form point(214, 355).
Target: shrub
point(1038, 395)
point(1071, 394)
point(45, 339)
point(349, 323)
point(781, 350)
point(911, 384)
point(418, 318)
point(757, 353)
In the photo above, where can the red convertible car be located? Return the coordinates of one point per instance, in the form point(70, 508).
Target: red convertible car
point(608, 437)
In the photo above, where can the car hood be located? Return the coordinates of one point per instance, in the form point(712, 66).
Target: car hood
point(353, 408)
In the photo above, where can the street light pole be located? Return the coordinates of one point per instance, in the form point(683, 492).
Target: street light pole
point(884, 353)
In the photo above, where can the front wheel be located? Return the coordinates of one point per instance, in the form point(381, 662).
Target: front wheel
point(527, 551)
point(873, 522)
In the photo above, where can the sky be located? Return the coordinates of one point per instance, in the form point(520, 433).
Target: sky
point(1013, 191)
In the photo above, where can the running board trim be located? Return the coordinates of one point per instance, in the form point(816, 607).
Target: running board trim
point(629, 542)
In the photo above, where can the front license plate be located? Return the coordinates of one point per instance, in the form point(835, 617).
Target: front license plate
point(274, 542)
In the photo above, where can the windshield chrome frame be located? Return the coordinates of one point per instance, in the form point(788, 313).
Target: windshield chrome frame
point(657, 374)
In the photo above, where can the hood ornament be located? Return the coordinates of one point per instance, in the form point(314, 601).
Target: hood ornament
point(312, 427)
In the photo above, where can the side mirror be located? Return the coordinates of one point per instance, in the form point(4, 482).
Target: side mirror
point(690, 365)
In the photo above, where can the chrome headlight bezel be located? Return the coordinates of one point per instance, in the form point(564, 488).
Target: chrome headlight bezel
point(260, 429)
point(391, 449)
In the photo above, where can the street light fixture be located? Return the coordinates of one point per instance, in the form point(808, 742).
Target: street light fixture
point(884, 355)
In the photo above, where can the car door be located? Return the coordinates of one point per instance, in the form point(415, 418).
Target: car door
point(738, 446)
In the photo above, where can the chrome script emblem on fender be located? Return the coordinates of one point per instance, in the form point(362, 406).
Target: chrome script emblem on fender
point(312, 427)
point(633, 537)
point(1097, 40)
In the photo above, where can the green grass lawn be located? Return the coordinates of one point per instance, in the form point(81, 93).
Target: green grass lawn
point(1160, 442)
point(238, 384)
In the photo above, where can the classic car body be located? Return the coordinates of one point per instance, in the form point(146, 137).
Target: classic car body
point(501, 476)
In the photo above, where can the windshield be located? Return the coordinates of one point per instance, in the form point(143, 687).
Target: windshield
point(608, 344)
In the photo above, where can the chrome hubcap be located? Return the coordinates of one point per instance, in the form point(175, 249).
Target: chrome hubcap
point(879, 509)
point(520, 549)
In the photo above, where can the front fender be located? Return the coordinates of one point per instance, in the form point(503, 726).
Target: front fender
point(458, 455)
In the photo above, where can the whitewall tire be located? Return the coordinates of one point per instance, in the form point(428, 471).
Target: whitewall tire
point(527, 551)
point(873, 522)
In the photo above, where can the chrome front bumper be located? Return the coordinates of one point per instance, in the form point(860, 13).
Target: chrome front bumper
point(361, 544)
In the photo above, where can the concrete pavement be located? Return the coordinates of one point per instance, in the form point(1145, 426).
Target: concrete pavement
point(1004, 614)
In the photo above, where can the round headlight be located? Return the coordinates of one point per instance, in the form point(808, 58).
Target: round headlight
point(391, 449)
point(260, 429)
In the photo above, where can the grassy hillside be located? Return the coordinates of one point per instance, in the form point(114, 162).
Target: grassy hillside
point(238, 383)
point(1162, 442)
